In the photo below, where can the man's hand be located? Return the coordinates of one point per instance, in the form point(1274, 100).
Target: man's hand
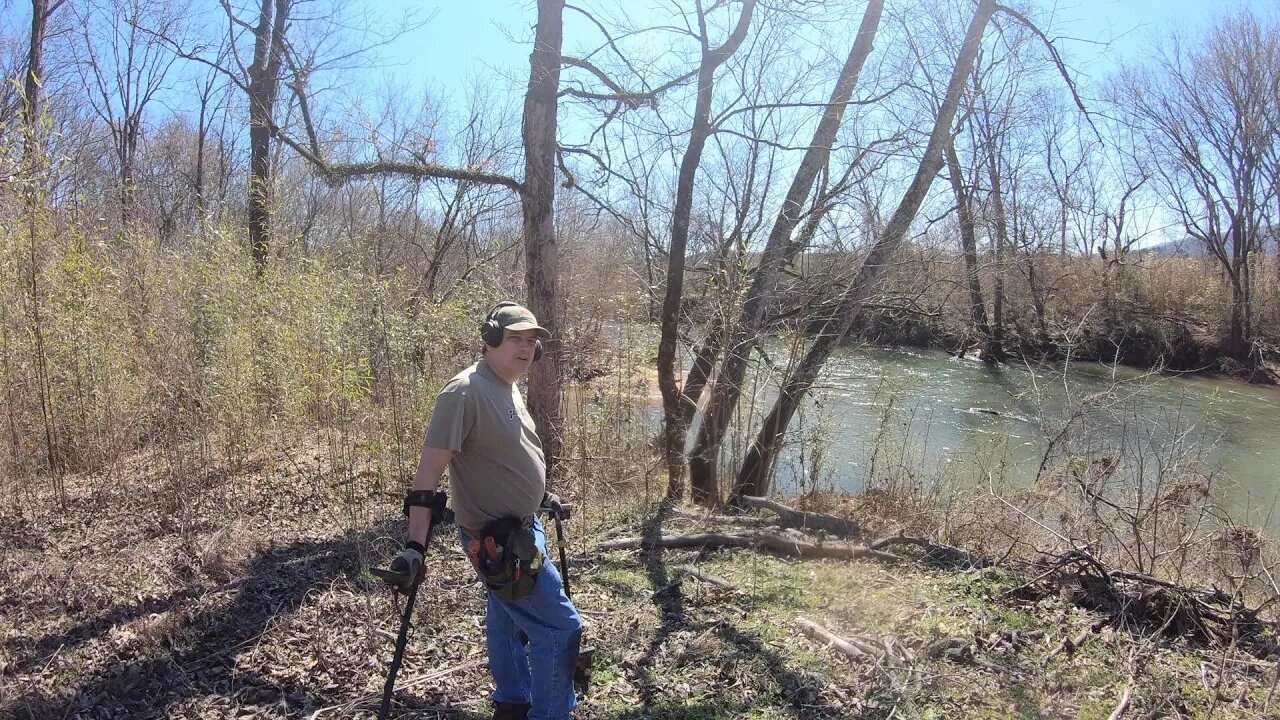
point(407, 569)
point(552, 502)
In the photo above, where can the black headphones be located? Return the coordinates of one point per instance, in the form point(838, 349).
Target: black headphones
point(491, 331)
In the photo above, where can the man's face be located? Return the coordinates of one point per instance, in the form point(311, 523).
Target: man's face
point(511, 359)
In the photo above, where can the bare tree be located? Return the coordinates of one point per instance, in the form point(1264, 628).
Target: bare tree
point(753, 477)
point(537, 200)
point(778, 250)
point(261, 82)
point(1203, 113)
point(124, 64)
point(34, 161)
point(208, 92)
point(536, 190)
point(673, 416)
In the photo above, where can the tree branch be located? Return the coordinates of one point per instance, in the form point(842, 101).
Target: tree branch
point(337, 174)
point(1057, 61)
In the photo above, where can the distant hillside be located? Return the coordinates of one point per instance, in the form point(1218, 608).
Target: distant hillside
point(1185, 247)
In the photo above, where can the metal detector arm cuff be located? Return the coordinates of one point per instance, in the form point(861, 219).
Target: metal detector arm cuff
point(435, 501)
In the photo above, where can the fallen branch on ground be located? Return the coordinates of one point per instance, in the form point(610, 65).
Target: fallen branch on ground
point(852, 647)
point(742, 520)
point(708, 579)
point(935, 553)
point(790, 517)
point(775, 542)
point(1146, 605)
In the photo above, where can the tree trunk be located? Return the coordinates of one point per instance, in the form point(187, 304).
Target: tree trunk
point(1237, 342)
point(968, 245)
point(725, 393)
point(31, 86)
point(264, 83)
point(673, 422)
point(34, 162)
point(202, 137)
point(1037, 298)
point(1245, 238)
point(995, 346)
point(757, 467)
point(704, 358)
point(537, 202)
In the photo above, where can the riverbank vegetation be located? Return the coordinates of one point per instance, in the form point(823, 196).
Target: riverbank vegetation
point(230, 294)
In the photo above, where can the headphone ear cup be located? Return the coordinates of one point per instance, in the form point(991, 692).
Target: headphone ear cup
point(490, 330)
point(537, 351)
point(491, 333)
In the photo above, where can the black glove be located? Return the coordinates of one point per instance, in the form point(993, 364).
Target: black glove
point(407, 568)
point(552, 502)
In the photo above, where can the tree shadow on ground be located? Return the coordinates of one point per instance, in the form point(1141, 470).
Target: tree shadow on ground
point(667, 596)
point(149, 685)
point(804, 692)
point(46, 647)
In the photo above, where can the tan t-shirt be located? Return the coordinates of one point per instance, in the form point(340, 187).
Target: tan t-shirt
point(498, 469)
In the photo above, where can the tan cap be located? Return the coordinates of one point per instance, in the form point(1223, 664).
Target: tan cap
point(518, 317)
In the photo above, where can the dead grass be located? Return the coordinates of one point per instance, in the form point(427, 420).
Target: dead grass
point(262, 608)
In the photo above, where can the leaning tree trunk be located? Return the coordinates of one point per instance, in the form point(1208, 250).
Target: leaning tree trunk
point(704, 358)
point(264, 83)
point(968, 245)
point(537, 201)
point(756, 469)
point(673, 420)
point(725, 393)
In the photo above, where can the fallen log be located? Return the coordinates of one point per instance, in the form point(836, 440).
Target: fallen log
point(790, 517)
point(742, 520)
point(774, 542)
point(935, 553)
point(681, 542)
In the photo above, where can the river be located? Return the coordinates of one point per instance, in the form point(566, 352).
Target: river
point(939, 417)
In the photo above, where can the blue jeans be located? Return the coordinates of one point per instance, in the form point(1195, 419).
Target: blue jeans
point(533, 642)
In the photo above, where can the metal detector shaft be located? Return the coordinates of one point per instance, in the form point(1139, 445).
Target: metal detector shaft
point(403, 638)
point(564, 563)
point(582, 663)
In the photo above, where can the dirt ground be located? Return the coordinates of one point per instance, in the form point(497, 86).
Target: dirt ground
point(249, 597)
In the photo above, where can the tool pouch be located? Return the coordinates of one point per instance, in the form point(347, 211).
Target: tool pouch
point(512, 575)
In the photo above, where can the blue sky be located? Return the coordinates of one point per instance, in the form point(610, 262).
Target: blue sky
point(475, 36)
point(489, 38)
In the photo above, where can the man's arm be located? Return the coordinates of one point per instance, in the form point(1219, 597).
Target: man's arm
point(430, 467)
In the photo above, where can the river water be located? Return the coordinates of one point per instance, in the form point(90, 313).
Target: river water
point(936, 417)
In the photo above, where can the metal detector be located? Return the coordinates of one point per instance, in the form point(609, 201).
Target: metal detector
point(397, 581)
point(582, 664)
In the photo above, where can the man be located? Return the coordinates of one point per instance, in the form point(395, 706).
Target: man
point(482, 432)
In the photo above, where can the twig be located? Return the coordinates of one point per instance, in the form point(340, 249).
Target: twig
point(1070, 644)
point(368, 700)
point(708, 579)
point(1275, 680)
point(775, 542)
point(676, 542)
point(851, 648)
point(1123, 705)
